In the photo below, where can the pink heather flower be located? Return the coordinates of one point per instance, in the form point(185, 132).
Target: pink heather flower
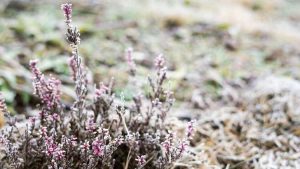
point(119, 140)
point(98, 148)
point(190, 129)
point(90, 125)
point(101, 91)
point(130, 61)
point(73, 141)
point(168, 143)
point(67, 9)
point(159, 62)
point(54, 117)
point(73, 66)
point(141, 160)
point(78, 72)
point(53, 150)
point(46, 89)
point(49, 146)
point(36, 72)
point(167, 146)
point(59, 153)
point(129, 55)
point(182, 148)
point(43, 131)
point(69, 141)
point(32, 121)
point(85, 146)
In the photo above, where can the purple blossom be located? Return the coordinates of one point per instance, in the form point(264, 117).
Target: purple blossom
point(73, 66)
point(130, 62)
point(73, 34)
point(141, 160)
point(168, 143)
point(32, 121)
point(73, 141)
point(101, 90)
point(159, 62)
point(190, 129)
point(53, 150)
point(53, 117)
point(85, 146)
point(69, 141)
point(67, 9)
point(46, 89)
point(182, 148)
point(36, 72)
point(90, 125)
point(43, 131)
point(119, 140)
point(98, 147)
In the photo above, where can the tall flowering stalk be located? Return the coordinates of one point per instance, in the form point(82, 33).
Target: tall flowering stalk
point(161, 99)
point(75, 62)
point(130, 62)
point(48, 91)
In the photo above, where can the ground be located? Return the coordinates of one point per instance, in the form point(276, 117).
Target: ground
point(233, 65)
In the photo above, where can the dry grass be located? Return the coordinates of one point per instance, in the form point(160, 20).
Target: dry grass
point(2, 121)
point(246, 118)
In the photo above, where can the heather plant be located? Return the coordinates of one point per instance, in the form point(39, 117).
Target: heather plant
point(98, 132)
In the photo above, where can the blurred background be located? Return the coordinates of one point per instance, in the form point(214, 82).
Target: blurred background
point(229, 61)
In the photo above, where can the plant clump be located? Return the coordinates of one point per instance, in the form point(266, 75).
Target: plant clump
point(98, 132)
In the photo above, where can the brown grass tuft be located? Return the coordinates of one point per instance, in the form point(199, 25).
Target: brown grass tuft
point(2, 121)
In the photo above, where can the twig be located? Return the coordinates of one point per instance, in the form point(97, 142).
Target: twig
point(128, 159)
